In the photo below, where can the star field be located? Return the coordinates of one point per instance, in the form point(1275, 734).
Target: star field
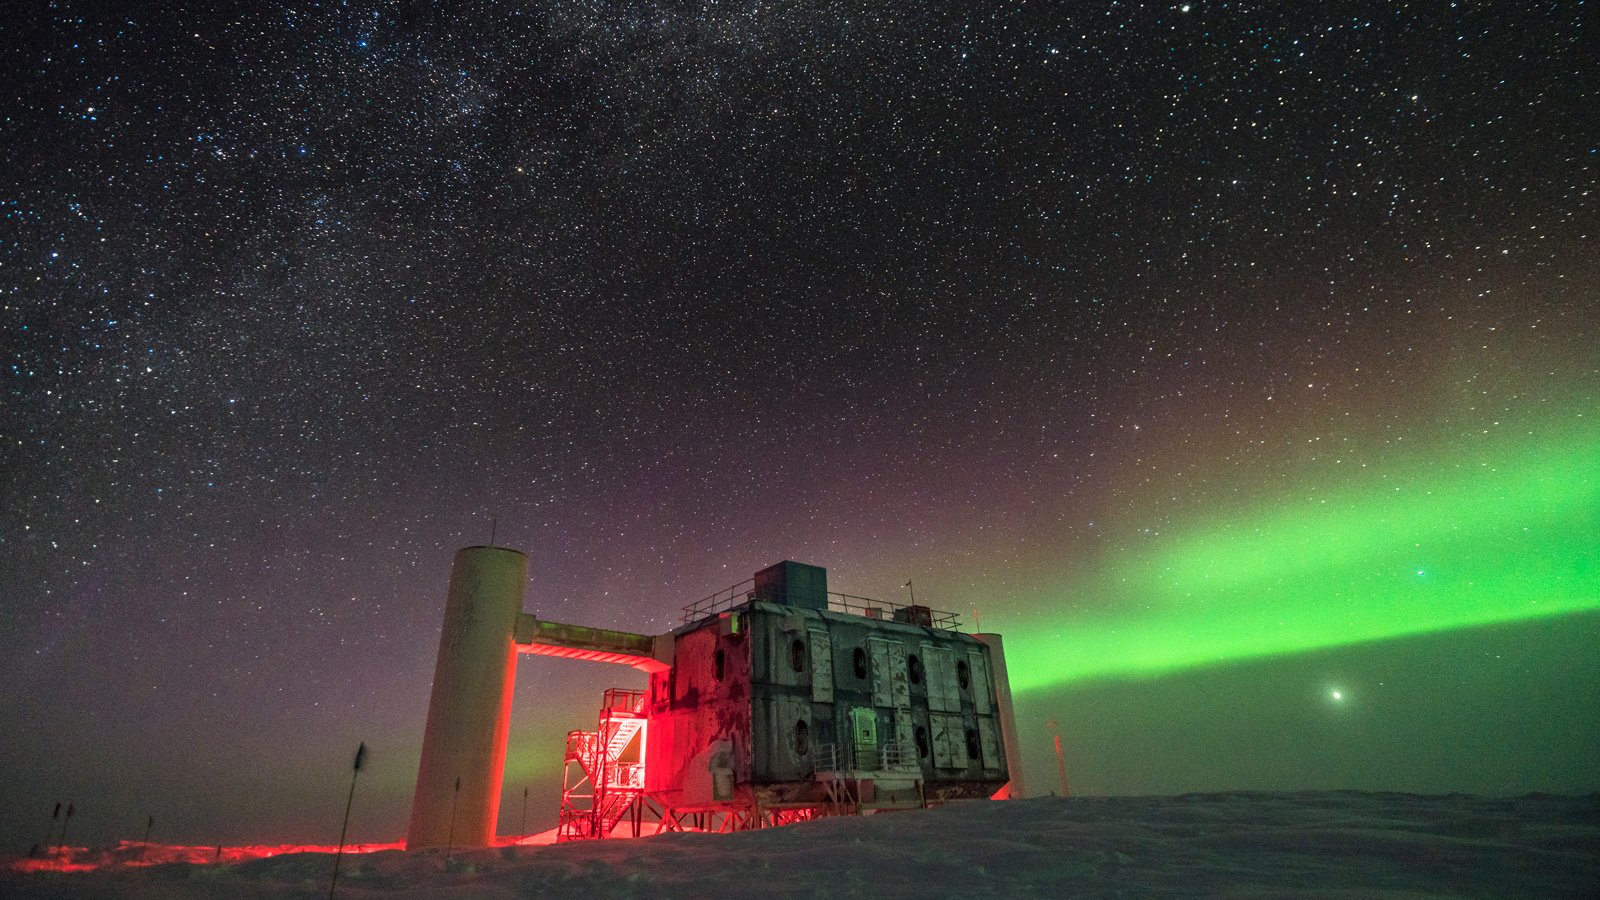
point(1016, 301)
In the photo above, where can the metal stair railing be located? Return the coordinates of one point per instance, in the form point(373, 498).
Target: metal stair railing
point(614, 786)
point(581, 748)
point(627, 729)
point(843, 759)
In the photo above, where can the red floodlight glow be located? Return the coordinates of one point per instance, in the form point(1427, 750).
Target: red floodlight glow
point(136, 854)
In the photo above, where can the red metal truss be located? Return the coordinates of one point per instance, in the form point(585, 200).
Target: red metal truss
point(608, 783)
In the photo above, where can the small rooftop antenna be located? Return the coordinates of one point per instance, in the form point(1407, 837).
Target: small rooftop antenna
point(494, 526)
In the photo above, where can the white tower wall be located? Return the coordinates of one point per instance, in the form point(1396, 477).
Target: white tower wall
point(469, 713)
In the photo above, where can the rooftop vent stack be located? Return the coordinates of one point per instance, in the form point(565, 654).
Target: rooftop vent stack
point(793, 584)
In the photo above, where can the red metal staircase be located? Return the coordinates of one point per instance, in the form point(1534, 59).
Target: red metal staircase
point(608, 783)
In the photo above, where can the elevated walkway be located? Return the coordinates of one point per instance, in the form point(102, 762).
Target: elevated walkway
point(641, 651)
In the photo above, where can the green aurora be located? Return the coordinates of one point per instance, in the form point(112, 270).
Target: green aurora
point(1495, 532)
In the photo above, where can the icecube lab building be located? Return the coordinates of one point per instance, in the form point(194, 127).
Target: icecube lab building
point(774, 701)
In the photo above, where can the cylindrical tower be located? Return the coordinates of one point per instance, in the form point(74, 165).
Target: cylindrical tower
point(464, 747)
point(1015, 790)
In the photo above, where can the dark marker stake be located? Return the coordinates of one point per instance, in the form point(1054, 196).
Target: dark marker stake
point(50, 832)
point(65, 822)
point(361, 751)
point(524, 829)
point(451, 849)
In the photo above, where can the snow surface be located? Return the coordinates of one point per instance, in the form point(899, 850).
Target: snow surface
point(1248, 846)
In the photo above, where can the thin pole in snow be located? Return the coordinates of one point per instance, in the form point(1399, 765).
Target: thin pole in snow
point(450, 850)
point(64, 824)
point(361, 752)
point(524, 829)
point(50, 833)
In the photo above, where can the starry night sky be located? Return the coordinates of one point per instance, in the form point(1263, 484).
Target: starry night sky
point(1237, 361)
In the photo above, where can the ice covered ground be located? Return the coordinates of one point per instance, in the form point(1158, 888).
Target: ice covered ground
point(1342, 845)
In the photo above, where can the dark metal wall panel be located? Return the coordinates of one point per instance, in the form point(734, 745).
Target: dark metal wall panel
point(784, 749)
point(890, 684)
point(982, 692)
point(943, 693)
point(820, 658)
point(994, 758)
point(784, 665)
point(692, 708)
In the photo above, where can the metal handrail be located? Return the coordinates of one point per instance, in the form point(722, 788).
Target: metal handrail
point(629, 776)
point(845, 758)
point(744, 592)
point(721, 601)
point(913, 614)
point(622, 700)
point(581, 744)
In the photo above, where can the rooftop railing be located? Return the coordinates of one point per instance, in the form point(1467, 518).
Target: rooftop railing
point(907, 613)
point(721, 601)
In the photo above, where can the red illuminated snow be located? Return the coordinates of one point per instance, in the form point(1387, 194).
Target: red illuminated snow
point(1325, 846)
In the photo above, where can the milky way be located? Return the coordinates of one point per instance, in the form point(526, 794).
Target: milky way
point(1026, 304)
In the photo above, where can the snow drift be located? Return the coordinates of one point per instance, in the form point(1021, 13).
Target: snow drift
point(1337, 846)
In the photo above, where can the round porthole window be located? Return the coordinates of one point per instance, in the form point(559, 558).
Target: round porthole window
point(914, 668)
point(922, 742)
point(963, 674)
point(802, 738)
point(972, 744)
point(797, 655)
